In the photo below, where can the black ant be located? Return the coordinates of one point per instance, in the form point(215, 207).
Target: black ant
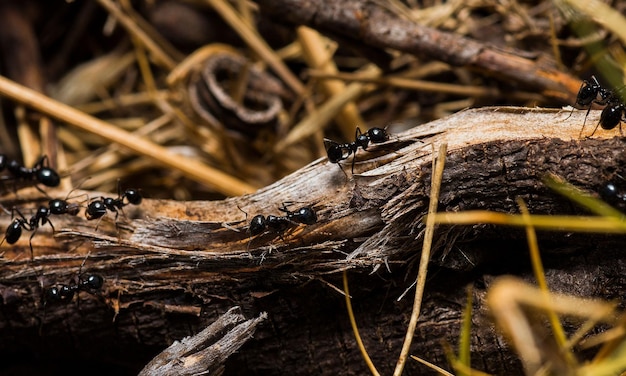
point(612, 195)
point(259, 223)
point(39, 219)
point(339, 152)
point(612, 114)
point(41, 173)
point(14, 231)
point(98, 208)
point(65, 293)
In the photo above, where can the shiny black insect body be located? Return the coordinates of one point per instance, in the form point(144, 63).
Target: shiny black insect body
point(40, 173)
point(612, 115)
point(98, 208)
point(592, 92)
point(339, 152)
point(278, 224)
point(58, 207)
point(39, 219)
point(612, 195)
point(65, 293)
point(14, 231)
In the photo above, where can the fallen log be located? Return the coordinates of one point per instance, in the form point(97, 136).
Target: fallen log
point(172, 268)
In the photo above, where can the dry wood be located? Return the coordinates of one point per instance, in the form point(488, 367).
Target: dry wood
point(370, 23)
point(171, 268)
point(205, 352)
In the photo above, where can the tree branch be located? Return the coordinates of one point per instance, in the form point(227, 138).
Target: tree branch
point(371, 24)
point(165, 260)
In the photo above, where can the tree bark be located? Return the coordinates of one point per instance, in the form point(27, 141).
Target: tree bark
point(370, 25)
point(172, 268)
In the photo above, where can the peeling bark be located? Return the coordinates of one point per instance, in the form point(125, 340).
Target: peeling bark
point(172, 268)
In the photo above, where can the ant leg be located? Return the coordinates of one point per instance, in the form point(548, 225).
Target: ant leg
point(342, 170)
point(98, 223)
point(80, 273)
point(44, 158)
point(595, 129)
point(30, 244)
point(585, 122)
point(249, 242)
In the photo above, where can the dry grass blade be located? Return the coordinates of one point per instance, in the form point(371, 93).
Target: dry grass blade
point(192, 61)
point(603, 14)
point(83, 82)
point(412, 84)
point(545, 222)
point(580, 197)
point(159, 54)
point(318, 119)
point(539, 272)
point(220, 181)
point(257, 44)
point(466, 333)
point(355, 329)
point(317, 56)
point(432, 366)
point(438, 166)
point(510, 300)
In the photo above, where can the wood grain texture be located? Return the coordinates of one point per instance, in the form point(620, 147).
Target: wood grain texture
point(171, 268)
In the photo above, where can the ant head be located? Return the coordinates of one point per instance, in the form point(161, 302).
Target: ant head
point(588, 92)
point(257, 225)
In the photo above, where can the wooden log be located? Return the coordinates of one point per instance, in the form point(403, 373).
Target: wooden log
point(172, 268)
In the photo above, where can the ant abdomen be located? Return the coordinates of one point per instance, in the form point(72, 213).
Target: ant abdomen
point(611, 116)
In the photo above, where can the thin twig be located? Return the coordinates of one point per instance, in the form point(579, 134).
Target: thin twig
point(214, 178)
point(438, 165)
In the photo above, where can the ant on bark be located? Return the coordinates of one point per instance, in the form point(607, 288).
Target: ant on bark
point(98, 207)
point(41, 173)
point(339, 152)
point(259, 223)
point(39, 219)
point(613, 113)
point(65, 293)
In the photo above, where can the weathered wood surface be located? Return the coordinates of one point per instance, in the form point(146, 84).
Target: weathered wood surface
point(171, 268)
